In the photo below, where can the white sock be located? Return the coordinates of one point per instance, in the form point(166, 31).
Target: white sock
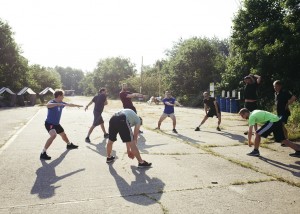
point(44, 150)
point(69, 143)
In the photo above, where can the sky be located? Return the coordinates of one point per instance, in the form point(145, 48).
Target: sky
point(79, 33)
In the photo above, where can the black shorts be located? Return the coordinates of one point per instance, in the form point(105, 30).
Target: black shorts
point(212, 113)
point(251, 106)
point(97, 118)
point(58, 128)
point(270, 127)
point(119, 124)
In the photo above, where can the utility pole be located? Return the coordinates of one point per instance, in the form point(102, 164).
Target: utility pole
point(141, 76)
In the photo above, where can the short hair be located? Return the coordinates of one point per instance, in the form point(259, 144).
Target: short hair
point(205, 93)
point(243, 111)
point(58, 92)
point(101, 90)
point(277, 82)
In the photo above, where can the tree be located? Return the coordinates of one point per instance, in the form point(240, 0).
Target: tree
point(13, 66)
point(41, 77)
point(193, 64)
point(265, 41)
point(70, 78)
point(111, 71)
point(87, 84)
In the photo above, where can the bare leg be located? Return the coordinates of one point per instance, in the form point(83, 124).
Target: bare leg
point(109, 148)
point(162, 118)
point(257, 141)
point(292, 145)
point(203, 121)
point(174, 121)
point(90, 131)
point(64, 137)
point(219, 120)
point(103, 128)
point(286, 135)
point(53, 135)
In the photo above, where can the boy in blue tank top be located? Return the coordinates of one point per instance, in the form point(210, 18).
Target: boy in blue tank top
point(52, 124)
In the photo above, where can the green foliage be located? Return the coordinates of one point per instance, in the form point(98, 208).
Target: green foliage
point(193, 64)
point(13, 66)
point(40, 78)
point(110, 72)
point(265, 41)
point(87, 85)
point(71, 78)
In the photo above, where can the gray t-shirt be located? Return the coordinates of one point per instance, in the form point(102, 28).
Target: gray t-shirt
point(99, 101)
point(131, 117)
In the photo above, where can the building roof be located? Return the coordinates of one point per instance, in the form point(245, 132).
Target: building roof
point(26, 89)
point(4, 89)
point(43, 92)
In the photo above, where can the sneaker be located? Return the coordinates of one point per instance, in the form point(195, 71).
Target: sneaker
point(283, 145)
point(246, 133)
point(254, 153)
point(197, 128)
point(111, 159)
point(87, 140)
point(45, 156)
point(296, 154)
point(72, 146)
point(141, 132)
point(218, 129)
point(144, 164)
point(175, 131)
point(106, 135)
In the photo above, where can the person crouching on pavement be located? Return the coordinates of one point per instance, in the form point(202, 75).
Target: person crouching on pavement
point(270, 123)
point(121, 122)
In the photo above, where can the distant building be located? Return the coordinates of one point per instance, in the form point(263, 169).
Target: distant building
point(26, 97)
point(69, 92)
point(7, 97)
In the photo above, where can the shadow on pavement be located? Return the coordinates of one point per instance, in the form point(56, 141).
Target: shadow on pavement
point(142, 146)
point(137, 191)
point(287, 167)
point(46, 177)
point(100, 148)
point(229, 135)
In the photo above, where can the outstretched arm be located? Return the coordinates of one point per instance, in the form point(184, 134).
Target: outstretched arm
point(87, 106)
point(73, 105)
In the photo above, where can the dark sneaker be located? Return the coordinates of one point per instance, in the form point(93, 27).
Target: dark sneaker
point(87, 140)
point(111, 159)
point(141, 132)
point(296, 154)
point(106, 135)
point(254, 153)
point(174, 131)
point(218, 129)
point(197, 129)
point(246, 133)
point(72, 146)
point(45, 156)
point(283, 145)
point(144, 164)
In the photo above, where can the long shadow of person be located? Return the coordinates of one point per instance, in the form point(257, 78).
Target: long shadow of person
point(287, 167)
point(46, 177)
point(100, 148)
point(138, 191)
point(141, 143)
point(229, 135)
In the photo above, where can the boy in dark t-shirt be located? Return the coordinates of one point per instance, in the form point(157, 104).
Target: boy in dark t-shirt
point(212, 109)
point(283, 99)
point(100, 101)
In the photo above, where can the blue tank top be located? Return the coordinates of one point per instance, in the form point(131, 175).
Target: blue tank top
point(54, 114)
